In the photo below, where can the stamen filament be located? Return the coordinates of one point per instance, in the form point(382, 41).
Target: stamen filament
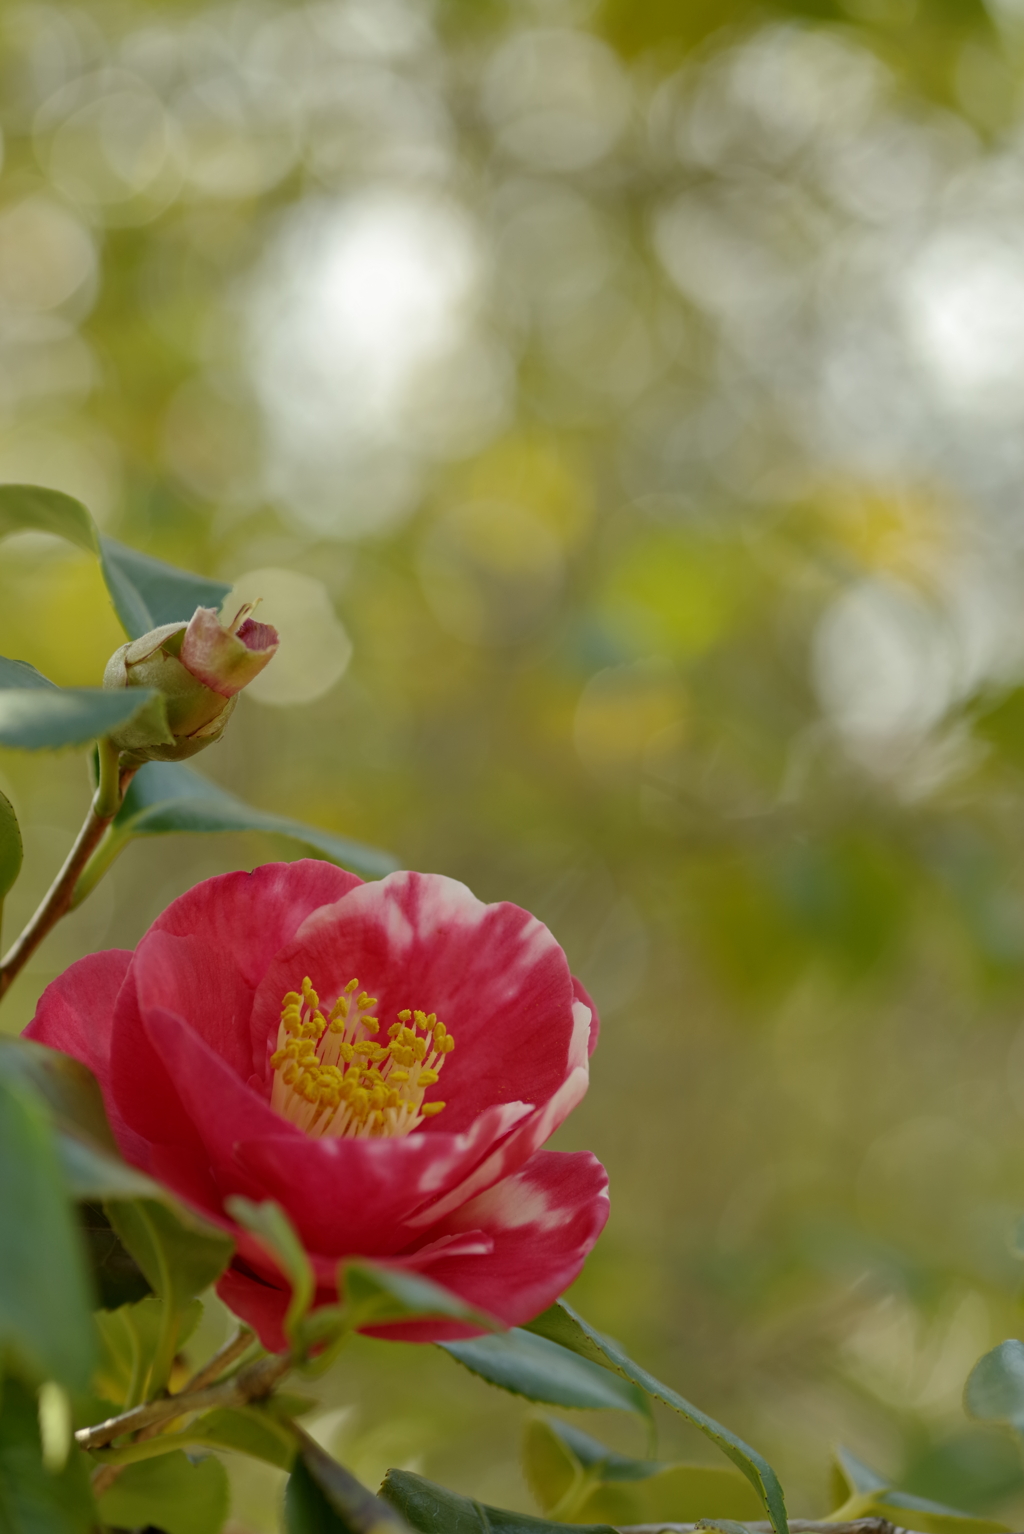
point(331, 1077)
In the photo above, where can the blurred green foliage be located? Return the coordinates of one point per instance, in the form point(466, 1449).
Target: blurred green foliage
point(637, 388)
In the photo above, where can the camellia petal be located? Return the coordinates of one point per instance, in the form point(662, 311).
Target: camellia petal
point(383, 1060)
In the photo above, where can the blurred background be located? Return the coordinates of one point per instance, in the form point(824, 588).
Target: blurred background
point(620, 408)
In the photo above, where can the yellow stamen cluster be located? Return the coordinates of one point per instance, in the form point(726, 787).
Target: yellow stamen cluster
point(331, 1077)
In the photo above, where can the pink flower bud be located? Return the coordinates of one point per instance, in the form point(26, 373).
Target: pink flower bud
point(200, 667)
point(227, 659)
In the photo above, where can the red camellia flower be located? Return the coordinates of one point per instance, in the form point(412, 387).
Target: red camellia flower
point(384, 1060)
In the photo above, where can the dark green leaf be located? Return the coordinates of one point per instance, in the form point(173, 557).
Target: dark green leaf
point(11, 849)
point(375, 1295)
point(18, 673)
point(995, 1386)
point(116, 1276)
point(167, 797)
point(44, 1291)
point(248, 1430)
point(169, 1493)
point(33, 1499)
point(66, 1086)
point(179, 1253)
point(323, 1498)
point(563, 1325)
point(48, 719)
point(148, 593)
point(33, 508)
point(92, 1173)
point(89, 1157)
point(435, 1510)
point(145, 592)
point(540, 1370)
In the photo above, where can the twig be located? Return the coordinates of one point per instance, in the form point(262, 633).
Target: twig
point(233, 1349)
point(57, 901)
point(250, 1384)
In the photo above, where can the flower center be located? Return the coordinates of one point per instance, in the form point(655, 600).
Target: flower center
point(331, 1077)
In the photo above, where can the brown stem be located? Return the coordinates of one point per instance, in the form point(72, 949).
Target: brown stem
point(250, 1384)
point(57, 900)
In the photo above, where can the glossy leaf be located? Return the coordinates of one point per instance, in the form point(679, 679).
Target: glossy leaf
point(170, 1493)
point(52, 718)
point(375, 1295)
point(562, 1324)
point(19, 674)
point(433, 1509)
point(323, 1498)
point(11, 849)
point(145, 592)
point(167, 797)
point(33, 1499)
point(578, 1479)
point(541, 1370)
point(276, 1234)
point(44, 1290)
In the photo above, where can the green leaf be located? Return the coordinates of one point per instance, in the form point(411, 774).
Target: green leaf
point(541, 1370)
point(117, 1277)
point(375, 1295)
point(561, 1324)
point(276, 1234)
point(25, 508)
point(170, 797)
point(170, 1493)
point(870, 1496)
point(180, 1256)
point(16, 674)
point(11, 849)
point(435, 1510)
point(995, 1386)
point(51, 718)
point(148, 593)
point(908, 1512)
point(131, 1337)
point(247, 1430)
point(89, 1157)
point(575, 1477)
point(145, 592)
point(852, 1477)
point(33, 1499)
point(44, 1290)
point(323, 1498)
